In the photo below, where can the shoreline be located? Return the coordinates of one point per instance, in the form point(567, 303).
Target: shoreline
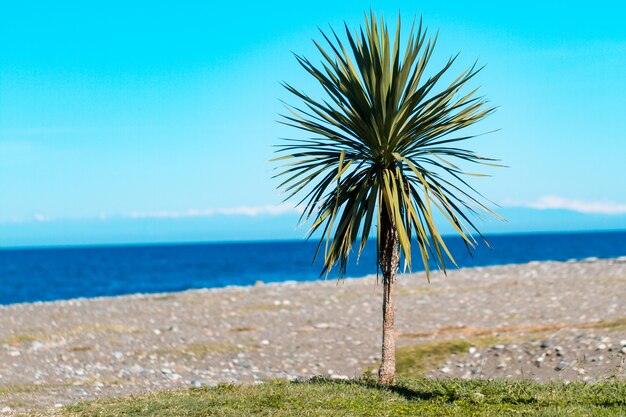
point(291, 281)
point(538, 320)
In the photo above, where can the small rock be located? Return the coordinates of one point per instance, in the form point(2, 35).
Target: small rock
point(136, 369)
point(322, 326)
point(472, 350)
point(265, 342)
point(622, 342)
point(560, 366)
point(445, 370)
point(623, 350)
point(601, 346)
point(36, 345)
point(117, 355)
point(14, 353)
point(546, 344)
point(6, 410)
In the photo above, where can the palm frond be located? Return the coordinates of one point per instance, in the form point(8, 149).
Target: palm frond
point(385, 135)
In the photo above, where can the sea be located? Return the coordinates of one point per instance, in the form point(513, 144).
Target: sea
point(46, 274)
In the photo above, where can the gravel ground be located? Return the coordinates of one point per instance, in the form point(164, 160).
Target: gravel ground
point(542, 321)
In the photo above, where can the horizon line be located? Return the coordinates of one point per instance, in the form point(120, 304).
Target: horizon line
point(287, 240)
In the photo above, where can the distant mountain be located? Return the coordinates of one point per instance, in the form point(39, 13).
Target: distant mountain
point(264, 227)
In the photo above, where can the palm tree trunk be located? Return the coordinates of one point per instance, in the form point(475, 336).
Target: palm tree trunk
point(389, 261)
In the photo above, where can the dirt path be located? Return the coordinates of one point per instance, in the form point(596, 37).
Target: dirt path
point(543, 321)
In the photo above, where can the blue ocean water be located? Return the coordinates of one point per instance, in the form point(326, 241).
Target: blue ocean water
point(62, 273)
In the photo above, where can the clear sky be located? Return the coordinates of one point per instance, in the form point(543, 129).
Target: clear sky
point(135, 110)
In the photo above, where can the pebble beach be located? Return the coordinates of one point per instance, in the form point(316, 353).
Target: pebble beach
point(542, 321)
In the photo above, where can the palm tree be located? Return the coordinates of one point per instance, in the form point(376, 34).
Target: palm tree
point(381, 148)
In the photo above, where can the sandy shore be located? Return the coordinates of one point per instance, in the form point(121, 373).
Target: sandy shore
point(548, 320)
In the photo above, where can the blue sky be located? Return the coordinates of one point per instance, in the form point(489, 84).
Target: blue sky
point(114, 114)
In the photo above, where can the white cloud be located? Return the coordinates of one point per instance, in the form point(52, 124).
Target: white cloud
point(581, 206)
point(38, 217)
point(271, 210)
point(250, 211)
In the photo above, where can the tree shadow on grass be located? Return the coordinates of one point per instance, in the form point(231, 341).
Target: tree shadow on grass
point(402, 390)
point(433, 390)
point(411, 394)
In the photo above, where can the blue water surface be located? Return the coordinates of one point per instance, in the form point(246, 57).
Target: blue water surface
point(62, 273)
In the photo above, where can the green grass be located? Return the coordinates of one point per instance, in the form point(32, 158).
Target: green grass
point(413, 361)
point(39, 335)
point(362, 397)
point(19, 389)
point(257, 308)
point(198, 349)
point(19, 339)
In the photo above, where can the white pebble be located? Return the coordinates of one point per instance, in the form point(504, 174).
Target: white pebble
point(36, 345)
